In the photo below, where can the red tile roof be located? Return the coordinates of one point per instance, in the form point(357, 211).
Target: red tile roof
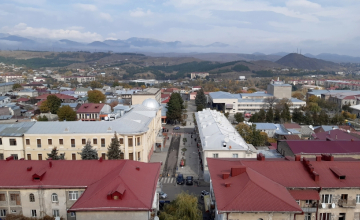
point(90, 108)
point(97, 178)
point(60, 96)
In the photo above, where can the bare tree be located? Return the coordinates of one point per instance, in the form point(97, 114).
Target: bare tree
point(281, 103)
point(269, 102)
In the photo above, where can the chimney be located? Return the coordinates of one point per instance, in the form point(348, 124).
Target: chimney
point(318, 157)
point(225, 175)
point(101, 159)
point(261, 157)
point(227, 184)
point(29, 168)
point(137, 168)
point(235, 171)
point(316, 176)
point(50, 164)
point(297, 157)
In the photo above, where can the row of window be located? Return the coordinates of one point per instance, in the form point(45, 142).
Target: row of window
point(12, 142)
point(83, 142)
point(233, 155)
point(73, 156)
point(327, 198)
point(73, 195)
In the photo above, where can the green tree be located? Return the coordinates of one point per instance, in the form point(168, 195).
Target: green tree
point(95, 96)
point(239, 117)
point(315, 118)
point(44, 108)
point(226, 114)
point(251, 135)
point(285, 113)
point(199, 108)
point(262, 115)
point(323, 118)
point(297, 116)
point(66, 113)
point(200, 98)
point(308, 119)
point(174, 108)
point(338, 119)
point(96, 84)
point(270, 115)
point(43, 118)
point(184, 207)
point(115, 83)
point(54, 103)
point(346, 108)
point(54, 154)
point(88, 152)
point(254, 118)
point(114, 148)
point(16, 86)
point(277, 116)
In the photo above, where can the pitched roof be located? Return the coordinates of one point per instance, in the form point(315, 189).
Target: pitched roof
point(335, 135)
point(60, 96)
point(324, 147)
point(98, 178)
point(292, 137)
point(305, 194)
point(90, 108)
point(291, 126)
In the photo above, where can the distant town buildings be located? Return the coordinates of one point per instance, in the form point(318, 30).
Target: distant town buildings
point(198, 75)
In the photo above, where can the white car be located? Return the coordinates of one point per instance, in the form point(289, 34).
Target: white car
point(162, 195)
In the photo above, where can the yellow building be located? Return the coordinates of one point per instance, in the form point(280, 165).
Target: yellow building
point(149, 93)
point(138, 132)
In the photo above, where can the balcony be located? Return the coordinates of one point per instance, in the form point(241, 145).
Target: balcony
point(309, 209)
point(346, 203)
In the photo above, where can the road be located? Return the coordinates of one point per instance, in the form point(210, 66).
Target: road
point(172, 157)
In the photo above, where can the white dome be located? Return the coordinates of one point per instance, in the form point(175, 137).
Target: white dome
point(151, 103)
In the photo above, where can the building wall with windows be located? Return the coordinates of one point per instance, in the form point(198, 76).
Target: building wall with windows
point(11, 146)
point(126, 215)
point(141, 96)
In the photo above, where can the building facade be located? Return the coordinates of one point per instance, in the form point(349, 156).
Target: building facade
point(140, 96)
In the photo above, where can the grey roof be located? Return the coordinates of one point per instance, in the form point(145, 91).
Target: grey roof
point(71, 104)
point(15, 130)
point(164, 109)
point(3, 97)
point(5, 117)
point(224, 95)
point(306, 130)
point(327, 127)
point(281, 85)
point(293, 100)
point(255, 94)
point(7, 84)
point(270, 153)
point(281, 130)
point(28, 90)
point(82, 89)
point(265, 126)
point(294, 131)
point(148, 91)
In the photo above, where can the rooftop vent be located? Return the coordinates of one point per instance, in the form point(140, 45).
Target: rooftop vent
point(297, 157)
point(318, 157)
point(235, 171)
point(29, 168)
point(327, 157)
point(227, 184)
point(117, 193)
point(225, 175)
point(338, 173)
point(10, 158)
point(39, 175)
point(137, 168)
point(261, 157)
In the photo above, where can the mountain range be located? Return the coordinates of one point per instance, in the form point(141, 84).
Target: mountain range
point(153, 47)
point(299, 61)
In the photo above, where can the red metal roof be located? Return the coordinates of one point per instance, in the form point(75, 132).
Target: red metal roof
point(335, 135)
point(90, 108)
point(291, 126)
point(324, 147)
point(292, 137)
point(305, 194)
point(95, 177)
point(22, 100)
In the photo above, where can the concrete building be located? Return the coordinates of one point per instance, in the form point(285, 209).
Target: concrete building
point(4, 99)
point(201, 75)
point(28, 93)
point(6, 87)
point(268, 128)
point(279, 89)
point(138, 132)
point(148, 82)
point(77, 190)
point(92, 111)
point(11, 139)
point(292, 188)
point(149, 93)
point(82, 91)
point(219, 139)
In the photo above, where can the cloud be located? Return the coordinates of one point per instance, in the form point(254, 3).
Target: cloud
point(55, 34)
point(86, 7)
point(105, 16)
point(302, 5)
point(139, 12)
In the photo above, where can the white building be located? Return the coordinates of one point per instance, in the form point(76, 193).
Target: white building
point(219, 139)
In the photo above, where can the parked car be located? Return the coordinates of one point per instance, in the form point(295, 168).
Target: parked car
point(204, 193)
point(176, 128)
point(180, 179)
point(162, 195)
point(189, 180)
point(162, 203)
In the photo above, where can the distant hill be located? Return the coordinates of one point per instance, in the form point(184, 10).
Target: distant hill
point(17, 39)
point(71, 43)
point(299, 61)
point(335, 57)
point(97, 44)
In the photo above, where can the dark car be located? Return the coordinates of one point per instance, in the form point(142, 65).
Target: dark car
point(180, 179)
point(176, 128)
point(189, 180)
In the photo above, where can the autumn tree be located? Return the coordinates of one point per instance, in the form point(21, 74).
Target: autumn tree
point(44, 108)
point(66, 113)
point(53, 103)
point(251, 135)
point(269, 102)
point(95, 96)
point(16, 86)
point(95, 84)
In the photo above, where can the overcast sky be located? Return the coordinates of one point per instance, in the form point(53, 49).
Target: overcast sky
point(321, 26)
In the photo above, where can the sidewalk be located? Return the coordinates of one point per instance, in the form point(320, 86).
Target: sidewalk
point(160, 156)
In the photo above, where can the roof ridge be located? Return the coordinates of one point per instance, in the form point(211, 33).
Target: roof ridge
point(239, 192)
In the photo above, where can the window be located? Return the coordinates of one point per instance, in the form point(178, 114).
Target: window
point(72, 214)
point(94, 141)
point(358, 198)
point(235, 155)
point(61, 141)
point(215, 155)
point(325, 216)
point(121, 140)
point(73, 156)
point(138, 141)
point(2, 197)
point(15, 156)
point(1, 156)
point(56, 213)
point(122, 155)
point(102, 142)
point(130, 140)
point(12, 142)
point(308, 201)
point(39, 156)
point(49, 141)
point(38, 141)
point(0, 141)
point(2, 212)
point(73, 195)
point(72, 142)
point(32, 197)
point(103, 156)
point(83, 141)
point(54, 197)
point(28, 156)
point(326, 198)
point(307, 216)
point(27, 141)
point(298, 202)
point(33, 213)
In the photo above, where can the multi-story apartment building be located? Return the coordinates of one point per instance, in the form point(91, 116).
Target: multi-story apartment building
point(77, 190)
point(6, 87)
point(140, 96)
point(292, 188)
point(138, 132)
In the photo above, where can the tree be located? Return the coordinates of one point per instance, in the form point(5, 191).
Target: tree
point(338, 119)
point(270, 115)
point(298, 95)
point(251, 135)
point(262, 115)
point(254, 118)
point(184, 207)
point(297, 116)
point(199, 108)
point(239, 117)
point(116, 83)
point(313, 107)
point(270, 101)
point(95, 96)
point(44, 108)
point(227, 114)
point(88, 152)
point(346, 108)
point(277, 116)
point(200, 98)
point(43, 118)
point(174, 108)
point(114, 148)
point(285, 113)
point(95, 84)
point(16, 86)
point(54, 155)
point(323, 118)
point(251, 90)
point(54, 103)
point(308, 119)
point(66, 113)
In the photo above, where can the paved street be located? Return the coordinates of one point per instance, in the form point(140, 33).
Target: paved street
point(172, 157)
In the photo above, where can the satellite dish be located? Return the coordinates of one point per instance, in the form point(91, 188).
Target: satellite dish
point(333, 205)
point(323, 205)
point(226, 139)
point(156, 218)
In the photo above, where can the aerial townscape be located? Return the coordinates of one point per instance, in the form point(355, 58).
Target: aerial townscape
point(253, 115)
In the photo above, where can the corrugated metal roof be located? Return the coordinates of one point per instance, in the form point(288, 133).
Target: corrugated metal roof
point(265, 126)
point(15, 130)
point(324, 147)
